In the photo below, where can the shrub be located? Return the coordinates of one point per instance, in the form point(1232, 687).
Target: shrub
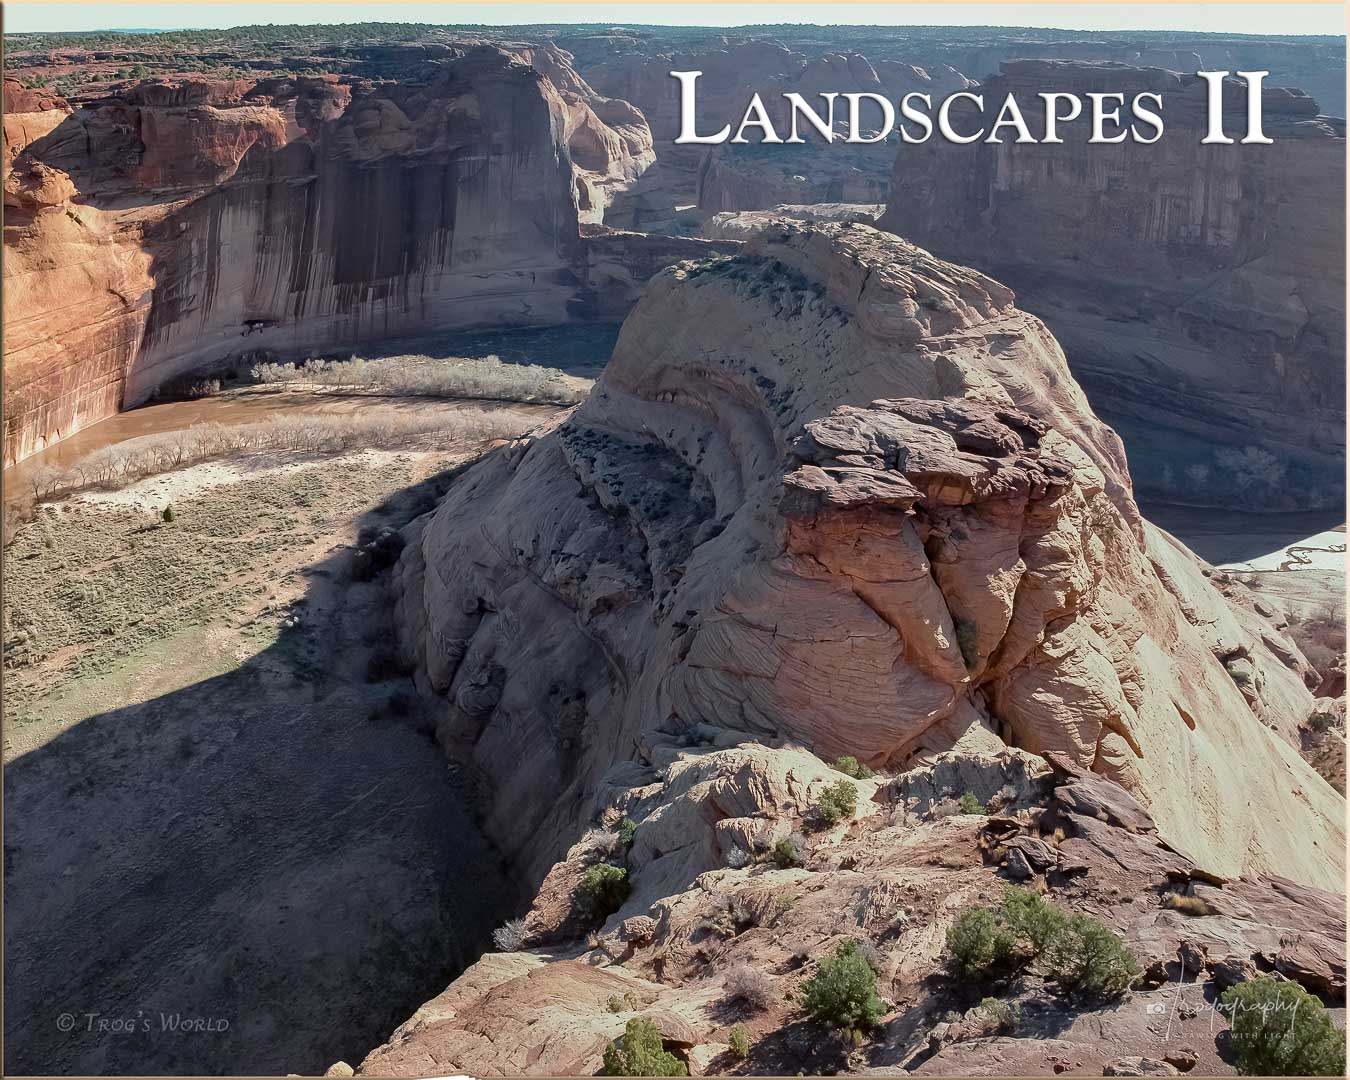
point(739, 1042)
point(1029, 916)
point(732, 917)
point(787, 852)
point(978, 943)
point(738, 858)
point(1279, 1029)
point(970, 804)
point(837, 802)
point(602, 890)
point(1002, 1016)
point(750, 985)
point(843, 993)
point(627, 1002)
point(1088, 956)
point(1187, 905)
point(640, 1053)
point(166, 515)
point(851, 766)
point(510, 936)
point(627, 830)
point(1081, 952)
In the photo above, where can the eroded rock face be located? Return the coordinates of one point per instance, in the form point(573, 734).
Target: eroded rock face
point(716, 933)
point(1198, 291)
point(839, 492)
point(185, 225)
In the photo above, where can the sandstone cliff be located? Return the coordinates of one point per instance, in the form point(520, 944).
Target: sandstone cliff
point(1198, 291)
point(838, 492)
point(180, 226)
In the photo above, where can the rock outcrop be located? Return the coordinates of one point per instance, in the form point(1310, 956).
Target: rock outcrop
point(1198, 291)
point(838, 492)
point(177, 227)
point(716, 933)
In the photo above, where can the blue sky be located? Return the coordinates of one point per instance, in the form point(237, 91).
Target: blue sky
point(1261, 18)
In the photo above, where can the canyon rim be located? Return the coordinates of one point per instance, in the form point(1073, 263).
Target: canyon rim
point(493, 587)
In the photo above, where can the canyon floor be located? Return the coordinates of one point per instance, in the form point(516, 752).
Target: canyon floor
point(219, 803)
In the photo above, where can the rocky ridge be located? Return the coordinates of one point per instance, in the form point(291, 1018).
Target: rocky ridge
point(714, 936)
point(837, 492)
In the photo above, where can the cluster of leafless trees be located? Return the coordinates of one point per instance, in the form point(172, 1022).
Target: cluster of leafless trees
point(124, 463)
point(487, 378)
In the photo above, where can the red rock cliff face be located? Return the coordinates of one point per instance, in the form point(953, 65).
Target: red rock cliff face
point(180, 227)
point(1198, 291)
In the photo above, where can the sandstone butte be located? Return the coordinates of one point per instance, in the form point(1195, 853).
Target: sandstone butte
point(833, 495)
point(837, 492)
point(179, 226)
point(1199, 291)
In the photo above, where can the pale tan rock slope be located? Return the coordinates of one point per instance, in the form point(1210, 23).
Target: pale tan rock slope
point(836, 491)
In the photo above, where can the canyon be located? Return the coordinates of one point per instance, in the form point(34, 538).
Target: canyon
point(875, 518)
point(183, 227)
point(858, 480)
point(1199, 292)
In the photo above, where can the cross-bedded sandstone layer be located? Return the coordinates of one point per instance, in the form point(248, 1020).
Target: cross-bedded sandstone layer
point(838, 492)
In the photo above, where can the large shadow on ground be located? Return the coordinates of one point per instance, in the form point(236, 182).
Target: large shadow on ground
point(264, 872)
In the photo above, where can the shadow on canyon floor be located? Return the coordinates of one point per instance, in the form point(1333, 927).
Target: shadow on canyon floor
point(263, 872)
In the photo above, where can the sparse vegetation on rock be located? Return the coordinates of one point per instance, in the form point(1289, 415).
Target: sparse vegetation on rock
point(1002, 1016)
point(788, 852)
point(739, 1042)
point(602, 890)
point(837, 802)
point(851, 766)
point(1279, 1029)
point(510, 936)
point(843, 993)
point(977, 942)
point(748, 984)
point(1090, 957)
point(970, 804)
point(640, 1053)
point(1080, 952)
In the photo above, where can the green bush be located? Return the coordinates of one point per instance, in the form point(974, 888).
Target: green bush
point(970, 804)
point(843, 993)
point(627, 830)
point(603, 889)
point(837, 802)
point(1279, 1029)
point(1080, 952)
point(851, 766)
point(167, 515)
point(1088, 956)
point(739, 1041)
point(787, 853)
point(1029, 916)
point(640, 1053)
point(1001, 1015)
point(978, 942)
